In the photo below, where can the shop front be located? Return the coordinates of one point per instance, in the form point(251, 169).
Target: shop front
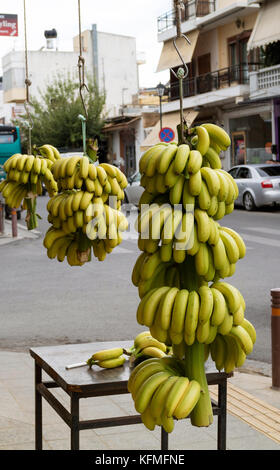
point(252, 135)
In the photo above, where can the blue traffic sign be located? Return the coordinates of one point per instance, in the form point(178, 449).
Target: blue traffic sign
point(166, 134)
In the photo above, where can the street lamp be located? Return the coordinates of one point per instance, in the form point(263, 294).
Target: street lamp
point(160, 90)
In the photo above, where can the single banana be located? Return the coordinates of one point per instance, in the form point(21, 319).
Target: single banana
point(84, 165)
point(238, 239)
point(166, 307)
point(211, 179)
point(213, 158)
point(150, 307)
point(188, 402)
point(147, 389)
point(243, 337)
point(175, 395)
point(159, 398)
point(219, 307)
point(203, 225)
point(230, 293)
point(203, 141)
point(181, 158)
point(167, 156)
point(202, 260)
point(206, 304)
point(195, 183)
point(191, 319)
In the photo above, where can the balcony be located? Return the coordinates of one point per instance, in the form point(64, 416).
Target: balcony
point(265, 82)
point(213, 81)
point(191, 9)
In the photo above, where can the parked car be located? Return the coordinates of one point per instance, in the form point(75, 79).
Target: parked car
point(133, 190)
point(258, 184)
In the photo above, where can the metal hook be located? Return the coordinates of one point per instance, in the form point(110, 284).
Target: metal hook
point(185, 73)
point(182, 72)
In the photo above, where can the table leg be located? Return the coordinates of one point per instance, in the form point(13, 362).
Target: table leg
point(164, 439)
point(222, 417)
point(38, 409)
point(75, 438)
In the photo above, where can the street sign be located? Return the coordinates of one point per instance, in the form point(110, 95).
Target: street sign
point(8, 25)
point(166, 134)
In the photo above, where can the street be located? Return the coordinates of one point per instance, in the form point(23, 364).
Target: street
point(44, 302)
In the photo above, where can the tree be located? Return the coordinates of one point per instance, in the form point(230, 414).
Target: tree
point(55, 115)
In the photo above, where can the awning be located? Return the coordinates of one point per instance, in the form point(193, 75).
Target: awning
point(266, 29)
point(119, 125)
point(169, 56)
point(168, 120)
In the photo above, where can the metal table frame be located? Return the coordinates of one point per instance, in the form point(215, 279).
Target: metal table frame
point(72, 418)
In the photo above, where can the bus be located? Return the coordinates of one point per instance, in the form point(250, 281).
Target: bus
point(9, 145)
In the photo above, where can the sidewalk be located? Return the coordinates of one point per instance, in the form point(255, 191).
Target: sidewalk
point(22, 232)
point(253, 420)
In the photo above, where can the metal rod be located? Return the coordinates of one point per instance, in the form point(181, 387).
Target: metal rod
point(275, 337)
point(38, 408)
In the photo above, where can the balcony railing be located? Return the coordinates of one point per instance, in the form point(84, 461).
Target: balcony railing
point(212, 81)
point(265, 79)
point(190, 9)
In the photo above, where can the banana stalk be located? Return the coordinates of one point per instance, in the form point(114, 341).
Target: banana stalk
point(202, 414)
point(31, 217)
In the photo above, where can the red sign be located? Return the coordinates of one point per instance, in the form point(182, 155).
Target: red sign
point(8, 25)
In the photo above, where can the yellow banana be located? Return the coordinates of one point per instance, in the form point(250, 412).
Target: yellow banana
point(218, 135)
point(175, 395)
point(188, 402)
point(147, 389)
point(181, 158)
point(191, 319)
point(206, 304)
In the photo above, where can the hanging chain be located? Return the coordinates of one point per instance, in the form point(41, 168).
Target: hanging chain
point(81, 64)
point(27, 85)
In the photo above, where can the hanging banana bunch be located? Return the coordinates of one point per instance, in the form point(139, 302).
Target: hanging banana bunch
point(185, 299)
point(25, 176)
point(85, 215)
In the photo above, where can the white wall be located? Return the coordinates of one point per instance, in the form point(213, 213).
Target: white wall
point(117, 69)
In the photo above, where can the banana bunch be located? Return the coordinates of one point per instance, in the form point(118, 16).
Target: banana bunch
point(161, 392)
point(107, 358)
point(25, 175)
point(177, 316)
point(146, 346)
point(81, 222)
point(185, 255)
point(103, 180)
point(230, 351)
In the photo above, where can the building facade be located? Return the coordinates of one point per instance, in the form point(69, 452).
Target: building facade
point(230, 78)
point(110, 58)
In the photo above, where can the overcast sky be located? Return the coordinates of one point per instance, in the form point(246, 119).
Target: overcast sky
point(136, 18)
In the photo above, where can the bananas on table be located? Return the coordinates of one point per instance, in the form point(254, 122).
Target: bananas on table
point(85, 215)
point(186, 256)
point(25, 175)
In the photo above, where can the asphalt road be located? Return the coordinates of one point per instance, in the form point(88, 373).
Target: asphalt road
point(44, 302)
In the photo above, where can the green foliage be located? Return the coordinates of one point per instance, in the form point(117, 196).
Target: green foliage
point(271, 54)
point(55, 114)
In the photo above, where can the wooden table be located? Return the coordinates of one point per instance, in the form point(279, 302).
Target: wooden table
point(84, 382)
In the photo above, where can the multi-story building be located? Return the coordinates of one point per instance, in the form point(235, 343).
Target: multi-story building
point(110, 58)
point(229, 81)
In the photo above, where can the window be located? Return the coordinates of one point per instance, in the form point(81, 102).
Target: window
point(273, 170)
point(233, 172)
point(244, 173)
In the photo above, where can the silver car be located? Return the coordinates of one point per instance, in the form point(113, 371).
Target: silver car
point(133, 190)
point(259, 184)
